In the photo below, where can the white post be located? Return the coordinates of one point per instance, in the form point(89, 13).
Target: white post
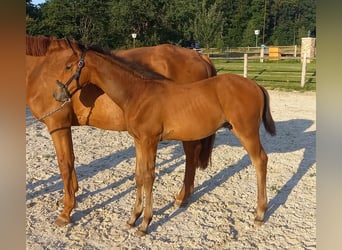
point(134, 35)
point(262, 52)
point(302, 82)
point(295, 51)
point(245, 59)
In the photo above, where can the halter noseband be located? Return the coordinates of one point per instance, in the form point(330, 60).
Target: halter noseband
point(62, 94)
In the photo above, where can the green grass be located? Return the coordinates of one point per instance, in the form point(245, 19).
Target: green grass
point(283, 75)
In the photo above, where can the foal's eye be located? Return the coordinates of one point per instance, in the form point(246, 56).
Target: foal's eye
point(68, 67)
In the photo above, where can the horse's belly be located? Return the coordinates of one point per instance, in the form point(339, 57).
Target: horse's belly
point(190, 130)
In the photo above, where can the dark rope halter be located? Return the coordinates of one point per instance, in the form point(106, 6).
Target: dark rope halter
point(62, 94)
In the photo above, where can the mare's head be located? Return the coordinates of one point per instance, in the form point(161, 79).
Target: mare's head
point(46, 59)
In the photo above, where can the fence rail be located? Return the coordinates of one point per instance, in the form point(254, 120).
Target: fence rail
point(291, 72)
point(254, 53)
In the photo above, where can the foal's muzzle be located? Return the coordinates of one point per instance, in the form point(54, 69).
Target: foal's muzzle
point(61, 94)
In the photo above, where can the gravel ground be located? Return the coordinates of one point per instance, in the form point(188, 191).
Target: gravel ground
point(220, 212)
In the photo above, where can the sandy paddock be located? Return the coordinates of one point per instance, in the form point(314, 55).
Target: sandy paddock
point(220, 212)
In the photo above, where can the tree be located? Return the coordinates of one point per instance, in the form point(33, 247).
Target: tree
point(92, 22)
point(254, 22)
point(179, 20)
point(208, 24)
point(289, 18)
point(33, 17)
point(236, 22)
point(136, 16)
point(223, 23)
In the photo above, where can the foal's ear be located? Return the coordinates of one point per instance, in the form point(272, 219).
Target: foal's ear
point(71, 45)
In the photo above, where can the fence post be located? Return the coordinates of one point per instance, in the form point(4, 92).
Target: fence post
point(245, 59)
point(302, 82)
point(262, 52)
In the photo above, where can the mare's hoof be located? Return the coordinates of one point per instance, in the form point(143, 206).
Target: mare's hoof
point(61, 221)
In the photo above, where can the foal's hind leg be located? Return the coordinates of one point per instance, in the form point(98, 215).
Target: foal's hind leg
point(252, 144)
point(63, 145)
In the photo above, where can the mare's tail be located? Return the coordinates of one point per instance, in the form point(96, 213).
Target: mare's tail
point(211, 70)
point(266, 114)
point(206, 150)
point(208, 142)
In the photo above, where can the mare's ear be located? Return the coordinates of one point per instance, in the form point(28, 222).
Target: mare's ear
point(59, 45)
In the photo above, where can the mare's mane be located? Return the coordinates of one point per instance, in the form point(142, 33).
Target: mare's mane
point(37, 45)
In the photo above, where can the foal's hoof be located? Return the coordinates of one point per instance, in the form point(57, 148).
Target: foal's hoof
point(140, 233)
point(258, 222)
point(181, 203)
point(130, 225)
point(61, 221)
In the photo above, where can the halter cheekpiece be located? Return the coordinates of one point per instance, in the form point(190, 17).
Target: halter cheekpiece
point(62, 94)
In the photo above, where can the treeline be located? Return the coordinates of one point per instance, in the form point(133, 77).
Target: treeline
point(213, 23)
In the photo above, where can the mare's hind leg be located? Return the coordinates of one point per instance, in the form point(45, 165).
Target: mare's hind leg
point(64, 150)
point(252, 144)
point(192, 150)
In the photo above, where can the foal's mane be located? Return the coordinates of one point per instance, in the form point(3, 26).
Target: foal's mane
point(134, 68)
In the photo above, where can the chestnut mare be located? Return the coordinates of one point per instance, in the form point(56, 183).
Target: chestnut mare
point(91, 106)
point(154, 109)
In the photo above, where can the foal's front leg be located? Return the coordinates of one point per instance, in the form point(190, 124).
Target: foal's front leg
point(144, 175)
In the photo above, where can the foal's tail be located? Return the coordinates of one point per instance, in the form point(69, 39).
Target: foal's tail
point(206, 150)
point(266, 114)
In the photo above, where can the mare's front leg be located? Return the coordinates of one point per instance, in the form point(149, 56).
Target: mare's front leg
point(144, 176)
point(65, 155)
point(192, 150)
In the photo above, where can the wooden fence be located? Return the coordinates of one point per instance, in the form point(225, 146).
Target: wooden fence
point(291, 72)
point(303, 72)
point(256, 53)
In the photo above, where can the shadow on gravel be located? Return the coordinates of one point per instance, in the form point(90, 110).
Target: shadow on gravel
point(298, 138)
point(291, 136)
point(86, 171)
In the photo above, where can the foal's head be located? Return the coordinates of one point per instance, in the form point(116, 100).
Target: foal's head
point(89, 57)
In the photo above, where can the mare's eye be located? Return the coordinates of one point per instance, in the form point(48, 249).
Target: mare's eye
point(68, 67)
